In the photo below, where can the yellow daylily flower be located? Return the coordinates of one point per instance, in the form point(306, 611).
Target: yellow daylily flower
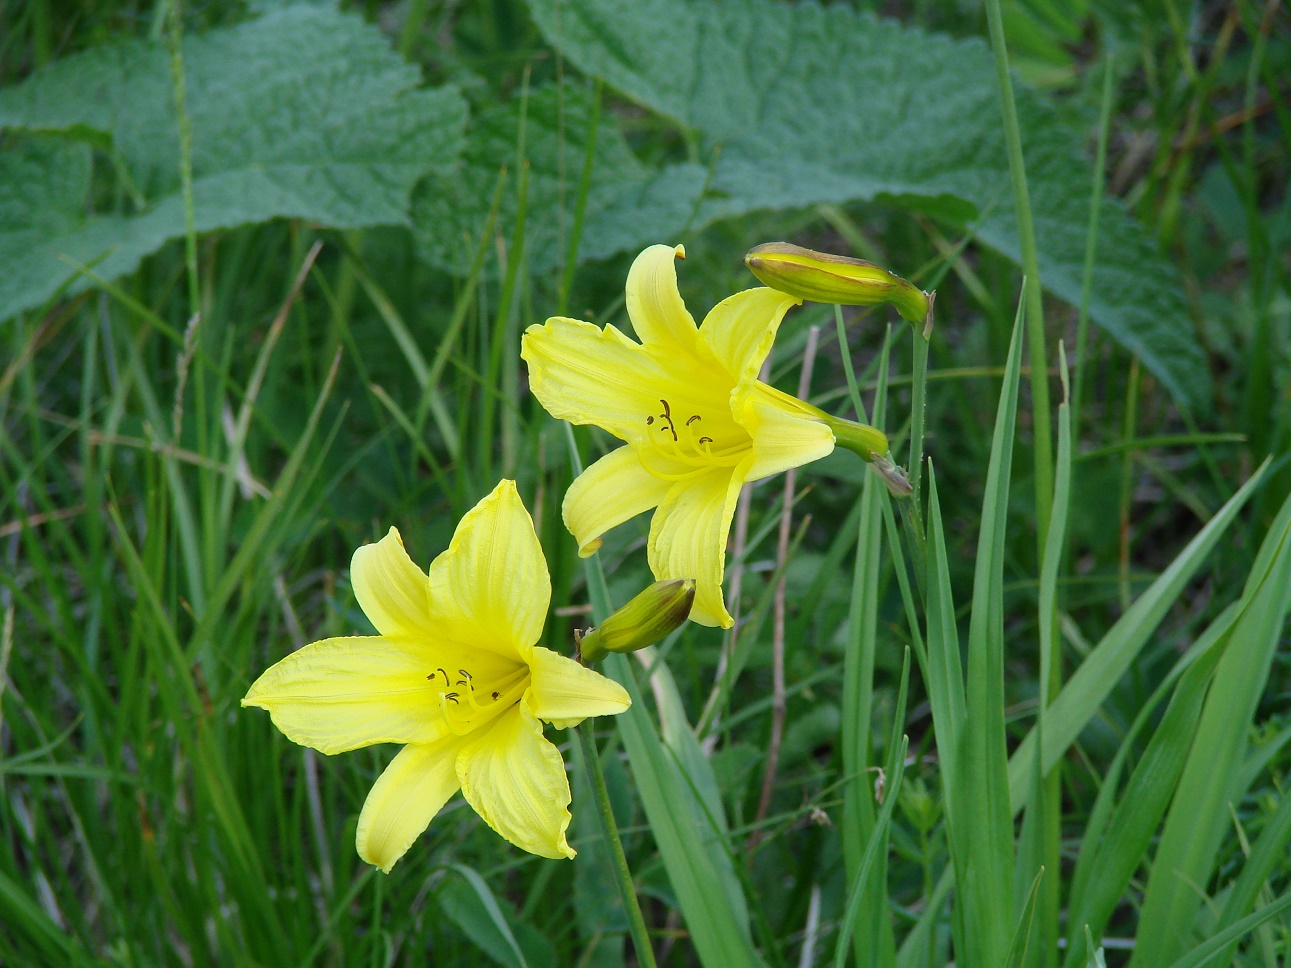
point(455, 675)
point(696, 420)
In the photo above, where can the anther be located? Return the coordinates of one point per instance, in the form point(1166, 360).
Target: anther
point(667, 415)
point(691, 420)
point(452, 696)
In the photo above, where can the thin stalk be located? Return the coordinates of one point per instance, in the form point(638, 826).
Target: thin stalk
point(918, 415)
point(600, 598)
point(174, 37)
point(610, 830)
point(580, 205)
point(1043, 444)
point(778, 701)
point(1127, 482)
point(849, 371)
point(1091, 245)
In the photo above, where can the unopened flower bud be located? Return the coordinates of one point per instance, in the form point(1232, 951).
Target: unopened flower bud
point(822, 277)
point(658, 610)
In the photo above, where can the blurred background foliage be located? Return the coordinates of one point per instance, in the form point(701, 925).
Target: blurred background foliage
point(239, 340)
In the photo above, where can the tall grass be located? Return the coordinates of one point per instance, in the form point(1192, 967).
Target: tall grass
point(1032, 719)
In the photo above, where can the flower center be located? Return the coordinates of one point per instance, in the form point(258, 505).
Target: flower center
point(688, 440)
point(467, 703)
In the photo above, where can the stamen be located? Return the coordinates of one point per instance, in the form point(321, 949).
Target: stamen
point(667, 415)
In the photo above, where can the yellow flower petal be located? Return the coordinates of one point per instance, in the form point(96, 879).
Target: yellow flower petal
point(592, 375)
point(741, 328)
point(688, 537)
point(612, 490)
point(491, 589)
point(340, 694)
point(565, 693)
point(515, 780)
point(785, 432)
point(404, 800)
point(654, 303)
point(391, 589)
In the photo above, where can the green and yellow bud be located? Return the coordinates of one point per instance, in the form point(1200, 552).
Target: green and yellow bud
point(657, 611)
point(822, 277)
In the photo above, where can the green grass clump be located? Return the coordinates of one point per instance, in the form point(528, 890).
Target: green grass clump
point(251, 320)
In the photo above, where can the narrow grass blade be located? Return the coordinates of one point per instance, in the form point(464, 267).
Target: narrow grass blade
point(720, 937)
point(1090, 684)
point(1132, 825)
point(985, 871)
point(1199, 816)
point(874, 943)
point(697, 770)
point(1206, 953)
point(878, 841)
point(1022, 936)
point(1041, 829)
point(1268, 855)
point(492, 932)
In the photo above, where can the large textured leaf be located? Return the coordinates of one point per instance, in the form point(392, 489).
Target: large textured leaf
point(812, 105)
point(303, 113)
point(450, 208)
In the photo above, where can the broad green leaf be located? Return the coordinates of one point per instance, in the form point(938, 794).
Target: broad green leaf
point(814, 105)
point(1199, 815)
point(450, 208)
point(302, 113)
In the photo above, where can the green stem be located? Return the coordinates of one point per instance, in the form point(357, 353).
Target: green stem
point(175, 37)
point(1091, 246)
point(848, 370)
point(1034, 294)
point(610, 830)
point(580, 205)
point(600, 596)
point(919, 413)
